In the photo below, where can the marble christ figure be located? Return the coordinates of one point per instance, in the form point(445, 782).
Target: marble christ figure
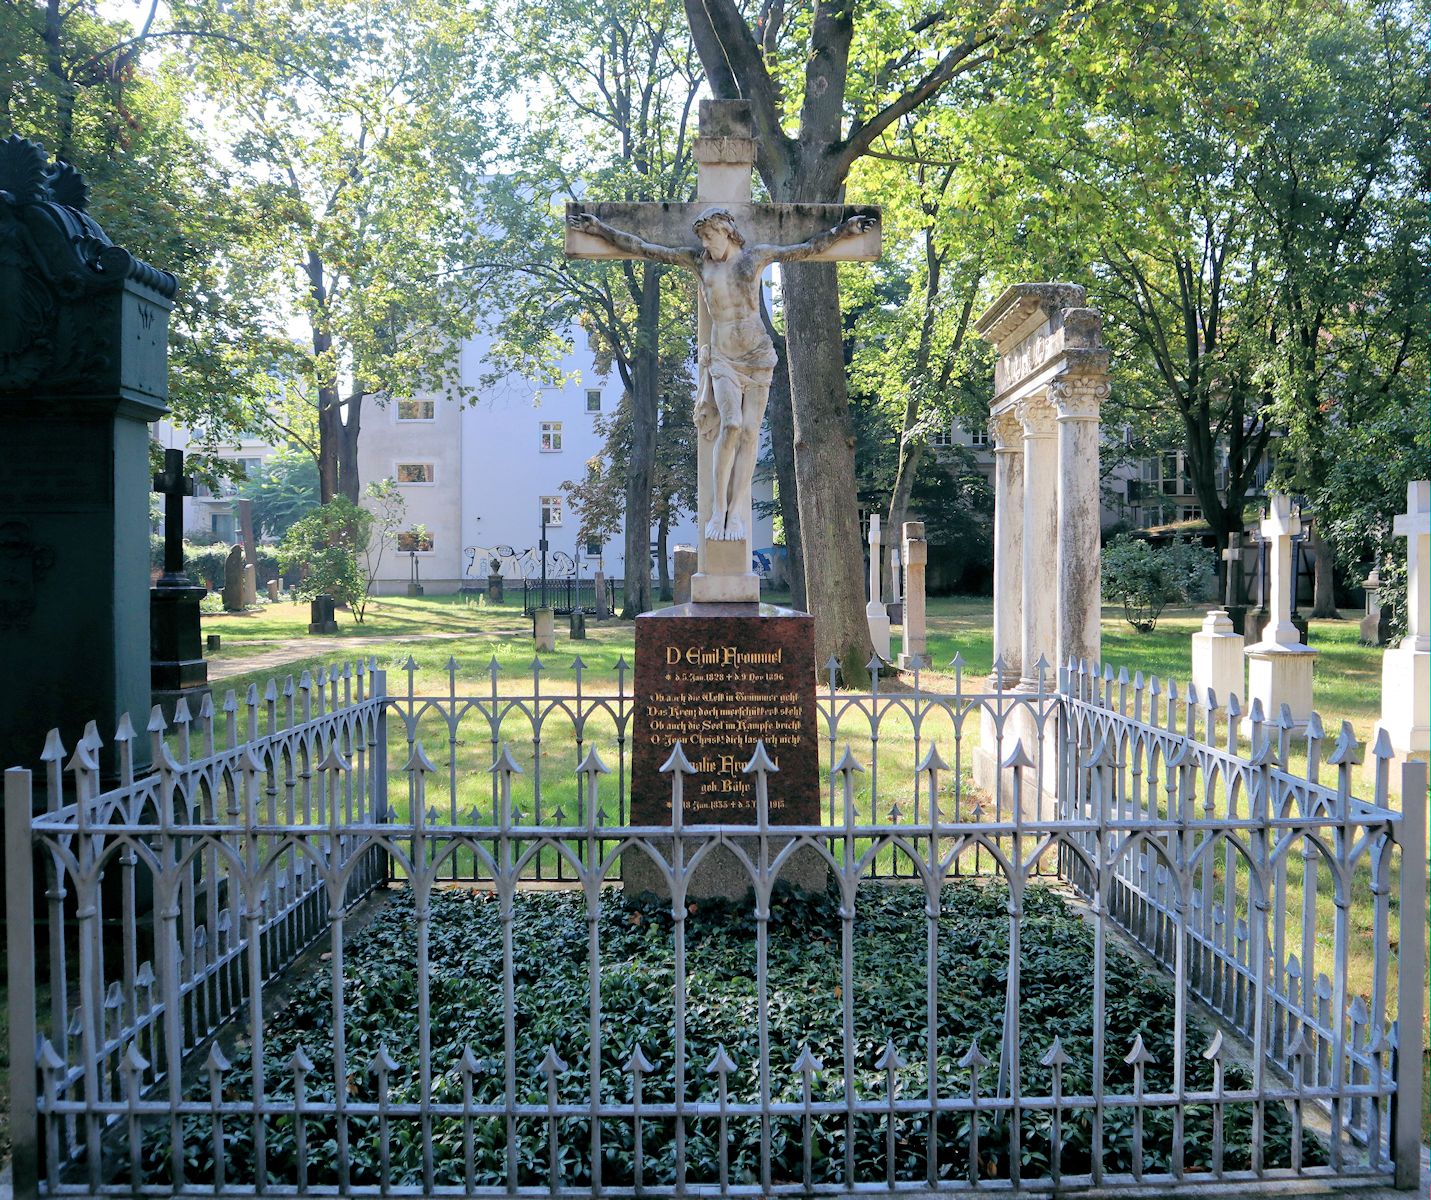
point(736, 366)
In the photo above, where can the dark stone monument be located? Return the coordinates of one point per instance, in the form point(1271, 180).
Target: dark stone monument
point(83, 370)
point(233, 580)
point(578, 625)
point(321, 617)
point(496, 592)
point(718, 678)
point(177, 667)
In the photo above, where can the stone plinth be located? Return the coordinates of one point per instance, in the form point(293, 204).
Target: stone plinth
point(718, 679)
point(1278, 675)
point(1217, 661)
point(250, 585)
point(544, 630)
point(177, 665)
point(273, 591)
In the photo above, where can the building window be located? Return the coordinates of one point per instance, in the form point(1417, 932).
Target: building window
point(593, 549)
point(979, 437)
point(942, 437)
point(416, 410)
point(223, 525)
point(551, 510)
point(551, 437)
point(249, 468)
point(1190, 512)
point(415, 472)
point(593, 400)
point(409, 542)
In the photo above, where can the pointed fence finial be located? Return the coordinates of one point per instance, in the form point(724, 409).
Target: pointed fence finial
point(677, 761)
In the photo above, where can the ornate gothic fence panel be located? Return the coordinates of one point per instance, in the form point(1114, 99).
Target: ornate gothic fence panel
point(169, 1062)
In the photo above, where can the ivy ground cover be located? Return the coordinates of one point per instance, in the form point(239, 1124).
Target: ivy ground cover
point(552, 1009)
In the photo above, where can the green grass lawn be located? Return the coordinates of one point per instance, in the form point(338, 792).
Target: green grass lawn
point(1348, 675)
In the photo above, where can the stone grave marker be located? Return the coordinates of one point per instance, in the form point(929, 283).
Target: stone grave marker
point(1279, 667)
point(83, 371)
point(321, 615)
point(1406, 667)
point(876, 615)
point(685, 562)
point(914, 645)
point(250, 585)
point(233, 580)
point(723, 673)
point(177, 666)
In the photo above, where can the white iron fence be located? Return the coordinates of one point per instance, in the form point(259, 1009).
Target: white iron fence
point(199, 1027)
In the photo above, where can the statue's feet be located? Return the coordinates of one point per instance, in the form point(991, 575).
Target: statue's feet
point(725, 529)
point(715, 529)
point(734, 529)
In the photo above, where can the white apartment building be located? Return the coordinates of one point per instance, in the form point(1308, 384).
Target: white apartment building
point(480, 476)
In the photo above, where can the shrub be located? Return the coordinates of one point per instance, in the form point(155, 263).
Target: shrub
point(1145, 579)
point(324, 547)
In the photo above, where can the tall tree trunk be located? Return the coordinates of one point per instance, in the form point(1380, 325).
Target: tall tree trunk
point(663, 566)
point(825, 469)
point(645, 420)
point(53, 36)
point(1324, 592)
point(782, 451)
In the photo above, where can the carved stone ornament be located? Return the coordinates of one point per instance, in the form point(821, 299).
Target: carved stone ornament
point(54, 261)
point(1036, 415)
point(1079, 397)
point(1008, 432)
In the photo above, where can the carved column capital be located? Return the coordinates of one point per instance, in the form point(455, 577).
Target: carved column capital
point(1036, 415)
point(1008, 432)
point(1079, 397)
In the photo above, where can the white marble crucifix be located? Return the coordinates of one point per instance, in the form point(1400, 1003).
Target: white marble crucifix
point(726, 241)
point(1415, 526)
point(1281, 524)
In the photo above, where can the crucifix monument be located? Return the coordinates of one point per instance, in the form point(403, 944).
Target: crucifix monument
point(1406, 667)
point(177, 668)
point(1279, 667)
point(726, 241)
point(723, 672)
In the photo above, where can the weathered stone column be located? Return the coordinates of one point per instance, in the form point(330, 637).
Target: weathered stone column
point(875, 612)
point(1008, 435)
point(1077, 396)
point(685, 558)
point(1040, 548)
point(914, 646)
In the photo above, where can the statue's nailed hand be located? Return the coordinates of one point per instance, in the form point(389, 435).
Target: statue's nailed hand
point(584, 223)
point(859, 224)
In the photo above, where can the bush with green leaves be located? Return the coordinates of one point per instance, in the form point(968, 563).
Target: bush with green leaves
point(1145, 579)
point(325, 548)
point(550, 975)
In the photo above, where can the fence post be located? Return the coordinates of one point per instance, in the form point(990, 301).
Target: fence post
point(1411, 977)
point(20, 964)
point(379, 760)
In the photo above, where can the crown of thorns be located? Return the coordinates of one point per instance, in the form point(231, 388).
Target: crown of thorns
point(722, 217)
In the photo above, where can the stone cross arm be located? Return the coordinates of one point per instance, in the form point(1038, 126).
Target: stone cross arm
point(667, 223)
